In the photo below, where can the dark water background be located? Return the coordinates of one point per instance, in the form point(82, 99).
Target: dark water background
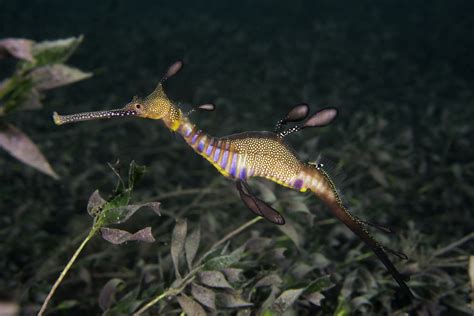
point(400, 72)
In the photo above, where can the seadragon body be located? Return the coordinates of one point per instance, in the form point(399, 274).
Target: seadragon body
point(252, 154)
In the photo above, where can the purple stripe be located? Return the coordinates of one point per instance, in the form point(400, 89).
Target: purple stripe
point(298, 183)
point(188, 131)
point(210, 147)
point(225, 156)
point(243, 173)
point(201, 144)
point(216, 154)
point(195, 137)
point(233, 166)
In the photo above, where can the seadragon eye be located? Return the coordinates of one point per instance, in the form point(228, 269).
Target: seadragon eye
point(138, 106)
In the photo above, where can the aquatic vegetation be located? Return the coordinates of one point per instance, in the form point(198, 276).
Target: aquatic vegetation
point(40, 68)
point(115, 210)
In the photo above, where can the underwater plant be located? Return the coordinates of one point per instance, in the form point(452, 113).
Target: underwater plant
point(40, 68)
point(115, 210)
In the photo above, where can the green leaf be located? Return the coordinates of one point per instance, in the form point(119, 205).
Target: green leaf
point(122, 214)
point(20, 146)
point(320, 284)
point(135, 173)
point(220, 262)
point(51, 52)
point(177, 243)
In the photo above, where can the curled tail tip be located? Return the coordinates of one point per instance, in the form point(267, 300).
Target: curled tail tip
point(57, 119)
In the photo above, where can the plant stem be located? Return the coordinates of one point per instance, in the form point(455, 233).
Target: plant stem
point(67, 268)
point(191, 274)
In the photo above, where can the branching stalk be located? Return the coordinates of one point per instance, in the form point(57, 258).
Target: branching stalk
point(173, 291)
point(67, 268)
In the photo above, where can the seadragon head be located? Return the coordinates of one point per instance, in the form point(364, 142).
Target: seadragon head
point(156, 106)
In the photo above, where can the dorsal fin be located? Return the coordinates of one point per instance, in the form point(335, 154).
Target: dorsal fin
point(157, 94)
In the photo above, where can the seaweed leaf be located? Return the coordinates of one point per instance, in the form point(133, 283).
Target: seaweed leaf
point(177, 243)
point(17, 47)
point(286, 299)
point(56, 75)
point(191, 246)
point(214, 279)
point(107, 294)
point(190, 306)
point(17, 144)
point(118, 236)
point(204, 295)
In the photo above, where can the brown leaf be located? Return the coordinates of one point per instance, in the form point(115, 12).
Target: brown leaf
point(269, 280)
point(315, 298)
point(233, 274)
point(191, 246)
point(22, 148)
point(56, 75)
point(95, 203)
point(286, 299)
point(118, 236)
point(177, 243)
point(16, 47)
point(190, 307)
point(214, 279)
point(106, 297)
point(290, 230)
point(204, 295)
point(232, 301)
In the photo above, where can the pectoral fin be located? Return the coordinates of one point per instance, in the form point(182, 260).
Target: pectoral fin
point(258, 206)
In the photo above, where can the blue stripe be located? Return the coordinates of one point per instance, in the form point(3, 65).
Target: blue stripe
point(210, 147)
point(233, 166)
point(201, 145)
point(243, 173)
point(216, 154)
point(195, 137)
point(225, 156)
